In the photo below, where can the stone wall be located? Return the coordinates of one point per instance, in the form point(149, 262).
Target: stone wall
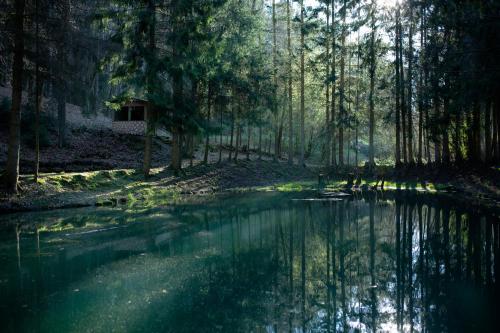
point(129, 127)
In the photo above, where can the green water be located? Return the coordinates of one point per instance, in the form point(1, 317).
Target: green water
point(253, 263)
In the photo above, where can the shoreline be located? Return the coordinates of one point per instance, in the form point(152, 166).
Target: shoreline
point(126, 187)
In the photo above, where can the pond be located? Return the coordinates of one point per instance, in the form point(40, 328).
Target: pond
point(264, 262)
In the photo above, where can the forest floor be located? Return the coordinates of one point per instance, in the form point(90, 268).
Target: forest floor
point(108, 187)
point(127, 186)
point(85, 150)
point(101, 169)
point(98, 166)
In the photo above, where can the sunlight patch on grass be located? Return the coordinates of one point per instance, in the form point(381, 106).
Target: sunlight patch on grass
point(290, 187)
point(149, 196)
point(392, 185)
point(287, 187)
point(90, 180)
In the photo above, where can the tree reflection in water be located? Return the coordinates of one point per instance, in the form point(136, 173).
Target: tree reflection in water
point(408, 263)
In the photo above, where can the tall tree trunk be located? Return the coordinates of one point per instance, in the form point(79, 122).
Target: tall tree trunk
point(190, 142)
point(397, 93)
point(148, 142)
point(238, 129)
point(302, 83)
point(61, 115)
point(402, 86)
point(349, 112)
point(13, 151)
point(275, 86)
point(487, 132)
point(497, 116)
point(496, 129)
point(290, 97)
point(445, 134)
point(220, 140)
point(333, 128)
point(359, 72)
point(241, 136)
point(356, 161)
point(178, 89)
point(476, 131)
point(342, 115)
point(428, 135)
point(176, 149)
point(196, 110)
point(373, 65)
point(437, 136)
point(280, 131)
point(457, 139)
point(260, 142)
point(436, 101)
point(470, 137)
point(327, 92)
point(233, 112)
point(426, 127)
point(269, 143)
point(38, 95)
point(61, 84)
point(421, 86)
point(410, 82)
point(248, 141)
point(38, 107)
point(446, 110)
point(207, 135)
point(220, 136)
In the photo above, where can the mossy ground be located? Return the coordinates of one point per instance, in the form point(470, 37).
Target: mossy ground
point(82, 181)
point(128, 186)
point(336, 185)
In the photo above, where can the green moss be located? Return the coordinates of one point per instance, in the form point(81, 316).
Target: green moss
point(282, 187)
point(85, 180)
point(145, 195)
point(290, 187)
point(335, 184)
point(389, 184)
point(60, 226)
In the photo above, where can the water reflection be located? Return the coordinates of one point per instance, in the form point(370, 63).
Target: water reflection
point(267, 264)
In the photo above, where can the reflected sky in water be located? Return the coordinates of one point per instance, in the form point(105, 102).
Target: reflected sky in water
point(254, 263)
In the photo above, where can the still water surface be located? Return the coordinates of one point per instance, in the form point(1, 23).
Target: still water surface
point(253, 263)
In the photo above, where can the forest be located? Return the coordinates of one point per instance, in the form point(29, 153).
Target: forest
point(191, 120)
point(332, 83)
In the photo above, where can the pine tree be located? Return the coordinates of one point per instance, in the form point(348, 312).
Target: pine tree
point(302, 85)
point(289, 77)
point(373, 65)
point(12, 167)
point(342, 111)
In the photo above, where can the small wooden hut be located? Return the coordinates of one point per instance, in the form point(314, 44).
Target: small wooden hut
point(131, 118)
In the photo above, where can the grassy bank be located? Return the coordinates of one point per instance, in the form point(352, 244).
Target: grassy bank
point(127, 186)
point(109, 187)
